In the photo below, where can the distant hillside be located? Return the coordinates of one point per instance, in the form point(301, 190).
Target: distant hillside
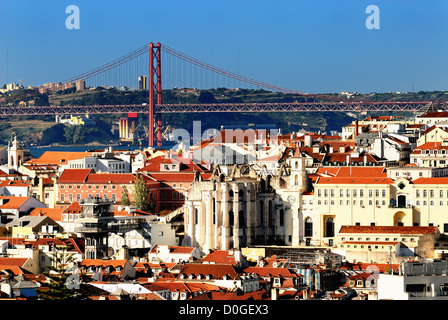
point(33, 132)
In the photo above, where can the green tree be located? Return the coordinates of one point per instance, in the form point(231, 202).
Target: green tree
point(74, 134)
point(78, 135)
point(141, 191)
point(64, 285)
point(125, 196)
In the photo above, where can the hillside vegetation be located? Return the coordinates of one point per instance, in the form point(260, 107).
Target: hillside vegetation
point(43, 130)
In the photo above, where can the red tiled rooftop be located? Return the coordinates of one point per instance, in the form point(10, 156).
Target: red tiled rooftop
point(60, 157)
point(117, 178)
point(14, 202)
point(271, 272)
point(54, 213)
point(74, 207)
point(354, 180)
point(430, 146)
point(221, 256)
point(387, 229)
point(434, 114)
point(375, 172)
point(74, 176)
point(217, 270)
point(432, 181)
point(103, 263)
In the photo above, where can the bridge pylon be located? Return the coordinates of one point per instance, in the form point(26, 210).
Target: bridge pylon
point(155, 93)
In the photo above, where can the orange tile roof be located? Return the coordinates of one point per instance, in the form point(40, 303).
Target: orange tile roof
point(15, 183)
point(217, 270)
point(382, 267)
point(46, 242)
point(74, 176)
point(341, 157)
point(7, 263)
point(221, 256)
point(354, 180)
point(76, 244)
point(272, 272)
point(388, 229)
point(431, 181)
point(434, 114)
point(353, 171)
point(429, 146)
point(186, 165)
point(177, 176)
point(115, 178)
point(103, 263)
point(258, 295)
point(14, 202)
point(60, 157)
point(74, 207)
point(54, 213)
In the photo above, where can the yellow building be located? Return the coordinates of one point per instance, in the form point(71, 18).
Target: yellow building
point(386, 244)
point(433, 134)
point(378, 201)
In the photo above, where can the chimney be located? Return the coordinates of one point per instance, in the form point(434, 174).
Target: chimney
point(356, 129)
point(274, 293)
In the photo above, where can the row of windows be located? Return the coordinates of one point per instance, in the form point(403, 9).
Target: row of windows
point(174, 195)
point(431, 203)
point(429, 151)
point(362, 246)
point(78, 186)
point(431, 193)
point(378, 239)
point(78, 197)
point(94, 165)
point(351, 192)
point(370, 192)
point(70, 217)
point(347, 202)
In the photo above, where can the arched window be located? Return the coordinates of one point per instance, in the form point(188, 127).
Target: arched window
point(401, 199)
point(329, 224)
point(261, 212)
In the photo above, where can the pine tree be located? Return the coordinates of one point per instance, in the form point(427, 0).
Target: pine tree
point(141, 194)
point(125, 196)
point(63, 285)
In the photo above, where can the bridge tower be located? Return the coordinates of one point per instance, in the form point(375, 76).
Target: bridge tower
point(155, 93)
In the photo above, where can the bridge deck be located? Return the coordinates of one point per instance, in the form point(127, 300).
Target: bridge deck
point(221, 107)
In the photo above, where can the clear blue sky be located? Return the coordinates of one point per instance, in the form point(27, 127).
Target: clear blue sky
point(311, 46)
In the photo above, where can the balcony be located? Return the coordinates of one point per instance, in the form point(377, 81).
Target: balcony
point(419, 294)
point(92, 228)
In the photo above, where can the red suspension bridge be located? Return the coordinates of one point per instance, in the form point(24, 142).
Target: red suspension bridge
point(181, 68)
